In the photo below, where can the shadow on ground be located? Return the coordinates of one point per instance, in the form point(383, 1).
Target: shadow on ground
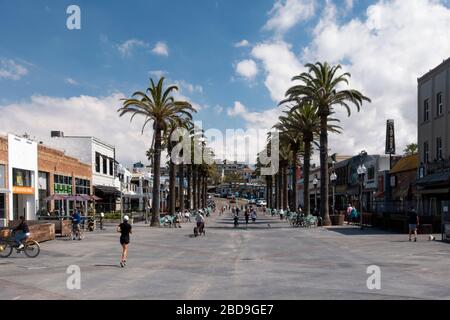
point(356, 231)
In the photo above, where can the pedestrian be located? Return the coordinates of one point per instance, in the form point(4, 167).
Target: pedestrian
point(349, 212)
point(413, 219)
point(247, 216)
point(253, 216)
point(281, 213)
point(125, 230)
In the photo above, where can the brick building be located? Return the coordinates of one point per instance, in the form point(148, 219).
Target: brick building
point(30, 172)
point(61, 174)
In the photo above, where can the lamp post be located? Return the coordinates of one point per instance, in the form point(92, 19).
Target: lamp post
point(362, 170)
point(333, 178)
point(315, 183)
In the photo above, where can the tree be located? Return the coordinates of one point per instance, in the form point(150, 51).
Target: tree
point(411, 149)
point(321, 86)
point(159, 107)
point(305, 122)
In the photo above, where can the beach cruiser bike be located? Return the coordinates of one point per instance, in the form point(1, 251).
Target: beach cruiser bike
point(31, 248)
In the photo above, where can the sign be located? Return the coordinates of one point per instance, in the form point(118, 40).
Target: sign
point(390, 137)
point(23, 190)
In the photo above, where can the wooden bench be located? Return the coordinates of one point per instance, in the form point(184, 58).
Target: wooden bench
point(38, 232)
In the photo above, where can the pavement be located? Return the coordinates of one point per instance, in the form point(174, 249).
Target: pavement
point(266, 260)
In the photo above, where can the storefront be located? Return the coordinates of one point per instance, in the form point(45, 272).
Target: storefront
point(3, 195)
point(22, 161)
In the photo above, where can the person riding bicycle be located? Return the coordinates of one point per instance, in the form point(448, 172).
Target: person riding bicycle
point(21, 232)
point(76, 220)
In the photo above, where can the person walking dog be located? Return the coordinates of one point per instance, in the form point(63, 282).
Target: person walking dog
point(125, 230)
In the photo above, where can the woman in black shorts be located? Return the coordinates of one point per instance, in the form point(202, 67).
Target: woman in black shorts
point(125, 230)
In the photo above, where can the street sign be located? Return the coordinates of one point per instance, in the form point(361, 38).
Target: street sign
point(390, 137)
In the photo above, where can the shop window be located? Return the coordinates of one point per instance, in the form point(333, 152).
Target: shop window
point(22, 178)
point(439, 104)
point(2, 176)
point(111, 167)
point(438, 148)
point(2, 206)
point(371, 173)
point(426, 110)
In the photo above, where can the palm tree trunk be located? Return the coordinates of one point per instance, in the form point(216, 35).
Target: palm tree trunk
point(294, 181)
point(172, 185)
point(181, 186)
point(189, 187)
point(199, 190)
point(194, 187)
point(285, 187)
point(324, 210)
point(205, 191)
point(156, 178)
point(306, 167)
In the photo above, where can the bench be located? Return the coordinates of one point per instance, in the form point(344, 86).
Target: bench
point(38, 232)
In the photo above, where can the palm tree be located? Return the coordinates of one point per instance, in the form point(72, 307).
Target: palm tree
point(159, 107)
point(411, 149)
point(321, 86)
point(306, 122)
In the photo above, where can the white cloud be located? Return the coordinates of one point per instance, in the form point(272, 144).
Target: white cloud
point(126, 48)
point(218, 109)
point(82, 115)
point(349, 4)
point(157, 73)
point(285, 14)
point(161, 49)
point(385, 51)
point(10, 69)
point(247, 69)
point(280, 64)
point(191, 88)
point(241, 44)
point(238, 109)
point(398, 41)
point(71, 81)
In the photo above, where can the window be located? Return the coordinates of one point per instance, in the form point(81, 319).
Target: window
point(426, 110)
point(111, 167)
point(371, 173)
point(105, 165)
point(97, 162)
point(82, 186)
point(426, 156)
point(2, 177)
point(22, 178)
point(439, 104)
point(62, 184)
point(438, 148)
point(2, 206)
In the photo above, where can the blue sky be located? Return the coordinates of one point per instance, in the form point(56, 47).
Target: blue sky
point(234, 87)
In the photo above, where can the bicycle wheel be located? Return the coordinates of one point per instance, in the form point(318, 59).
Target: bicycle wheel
point(5, 249)
point(81, 235)
point(32, 249)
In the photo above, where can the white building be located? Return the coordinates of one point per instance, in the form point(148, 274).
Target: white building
point(102, 156)
point(22, 176)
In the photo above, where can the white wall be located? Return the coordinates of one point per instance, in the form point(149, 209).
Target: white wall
point(22, 154)
point(104, 150)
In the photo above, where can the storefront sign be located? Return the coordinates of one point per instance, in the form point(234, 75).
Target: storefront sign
point(23, 190)
point(390, 137)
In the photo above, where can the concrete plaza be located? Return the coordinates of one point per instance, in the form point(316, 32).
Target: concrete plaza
point(260, 262)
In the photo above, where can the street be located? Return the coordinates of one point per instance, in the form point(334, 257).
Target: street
point(268, 260)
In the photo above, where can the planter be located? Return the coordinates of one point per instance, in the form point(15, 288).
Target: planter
point(337, 219)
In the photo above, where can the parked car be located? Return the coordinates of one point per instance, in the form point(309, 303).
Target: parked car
point(252, 201)
point(261, 203)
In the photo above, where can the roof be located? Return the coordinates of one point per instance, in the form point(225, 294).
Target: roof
point(408, 163)
point(440, 178)
point(434, 71)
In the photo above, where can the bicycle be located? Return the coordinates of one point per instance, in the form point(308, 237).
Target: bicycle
point(31, 248)
point(77, 233)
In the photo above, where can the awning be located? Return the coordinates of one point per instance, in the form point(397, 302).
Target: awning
point(440, 178)
point(106, 190)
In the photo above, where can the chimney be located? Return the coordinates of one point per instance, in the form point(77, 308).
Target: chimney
point(57, 134)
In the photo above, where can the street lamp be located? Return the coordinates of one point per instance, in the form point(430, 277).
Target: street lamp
point(333, 178)
point(362, 170)
point(315, 183)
